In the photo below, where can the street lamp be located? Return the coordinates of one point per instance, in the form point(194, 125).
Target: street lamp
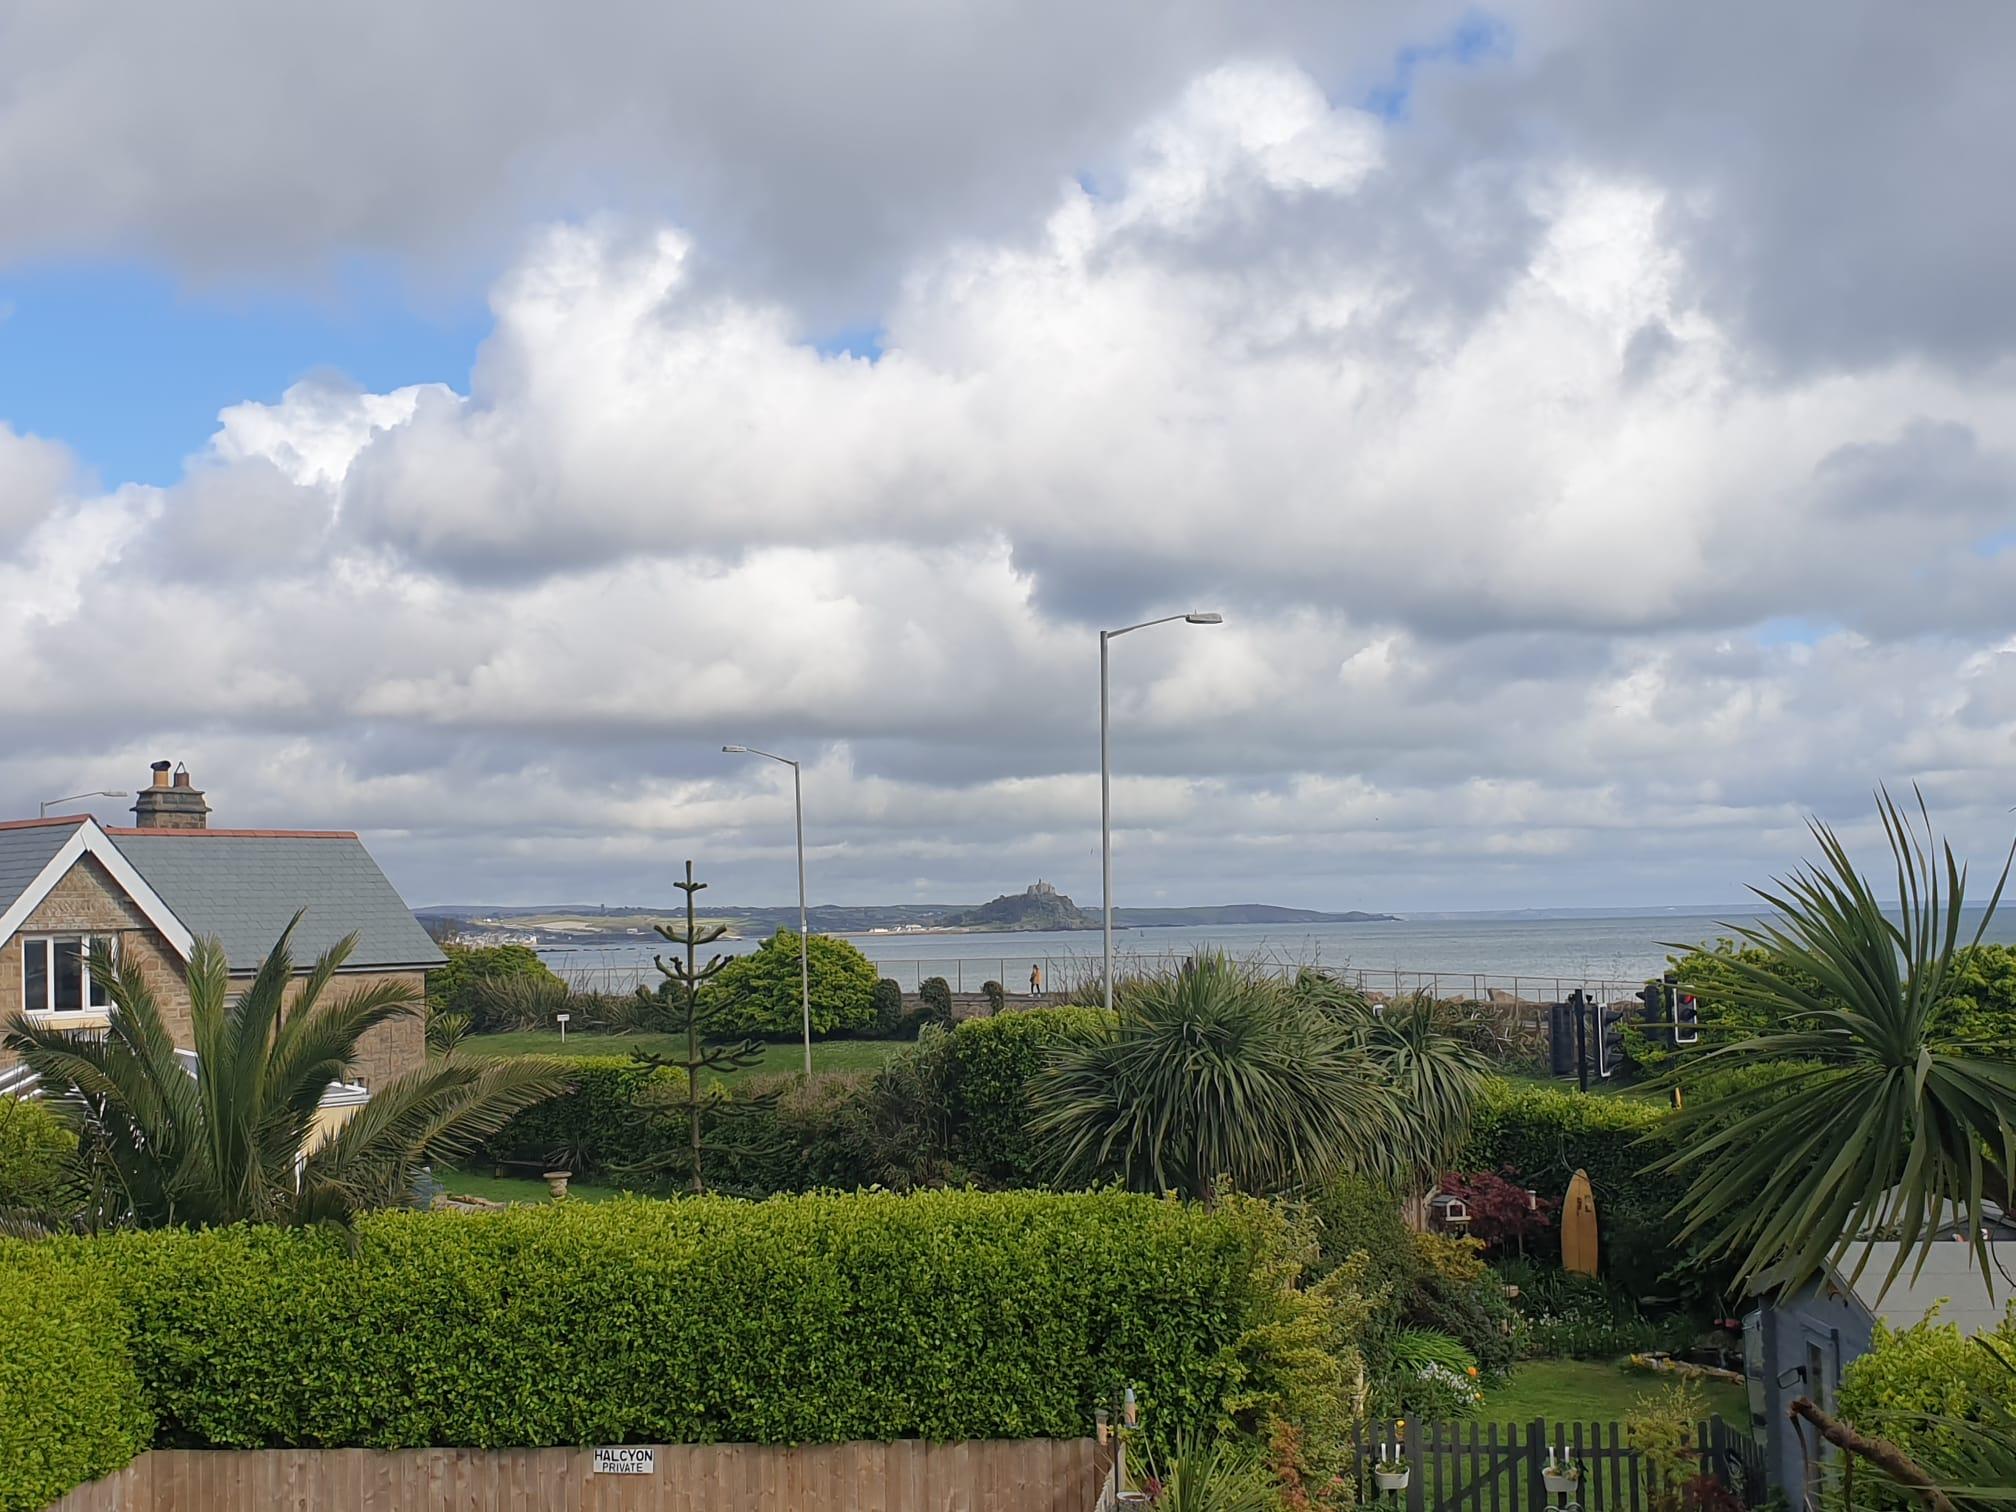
point(804, 961)
point(1106, 776)
point(50, 803)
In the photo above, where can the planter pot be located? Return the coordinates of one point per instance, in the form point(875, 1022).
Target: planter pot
point(556, 1182)
point(1559, 1484)
point(1391, 1479)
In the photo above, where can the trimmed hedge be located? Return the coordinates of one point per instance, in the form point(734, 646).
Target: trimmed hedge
point(994, 1059)
point(818, 1319)
point(71, 1406)
point(1548, 1135)
point(594, 1128)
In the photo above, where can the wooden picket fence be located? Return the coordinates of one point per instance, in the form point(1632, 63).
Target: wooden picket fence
point(1491, 1467)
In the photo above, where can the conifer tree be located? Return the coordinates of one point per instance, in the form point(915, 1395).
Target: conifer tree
point(681, 992)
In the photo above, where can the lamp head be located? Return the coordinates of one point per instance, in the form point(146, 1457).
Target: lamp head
point(1204, 619)
point(735, 750)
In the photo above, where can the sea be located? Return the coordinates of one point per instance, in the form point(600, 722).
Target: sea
point(1469, 953)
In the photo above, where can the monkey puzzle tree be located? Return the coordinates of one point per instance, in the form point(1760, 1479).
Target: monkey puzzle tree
point(695, 1015)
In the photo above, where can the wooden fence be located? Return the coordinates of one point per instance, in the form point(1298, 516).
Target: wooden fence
point(1491, 1467)
point(1030, 1475)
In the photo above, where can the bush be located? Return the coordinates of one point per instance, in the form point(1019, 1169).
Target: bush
point(818, 1319)
point(996, 995)
point(71, 1406)
point(593, 1130)
point(453, 988)
point(934, 994)
point(993, 1060)
point(1928, 1370)
point(35, 1154)
point(761, 993)
point(886, 1002)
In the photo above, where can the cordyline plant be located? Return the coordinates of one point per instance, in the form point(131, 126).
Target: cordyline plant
point(1891, 1122)
point(692, 1012)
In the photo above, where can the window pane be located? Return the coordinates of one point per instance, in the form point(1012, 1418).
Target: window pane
point(105, 948)
point(69, 976)
point(34, 975)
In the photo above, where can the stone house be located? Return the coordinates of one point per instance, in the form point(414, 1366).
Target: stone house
point(71, 888)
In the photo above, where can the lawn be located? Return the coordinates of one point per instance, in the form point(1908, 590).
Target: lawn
point(827, 1055)
point(1586, 1391)
point(515, 1188)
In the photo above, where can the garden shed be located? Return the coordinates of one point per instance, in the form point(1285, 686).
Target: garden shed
point(1799, 1344)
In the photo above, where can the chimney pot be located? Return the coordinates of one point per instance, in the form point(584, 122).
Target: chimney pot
point(171, 803)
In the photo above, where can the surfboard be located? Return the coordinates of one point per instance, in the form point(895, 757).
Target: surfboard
point(1578, 1227)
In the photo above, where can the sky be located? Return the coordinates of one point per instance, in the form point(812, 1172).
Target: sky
point(1596, 425)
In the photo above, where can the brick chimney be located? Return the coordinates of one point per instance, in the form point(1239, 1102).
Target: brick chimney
point(169, 802)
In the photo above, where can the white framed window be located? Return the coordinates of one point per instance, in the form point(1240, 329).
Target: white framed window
point(56, 974)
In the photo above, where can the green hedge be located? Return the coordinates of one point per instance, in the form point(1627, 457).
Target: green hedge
point(1928, 1371)
point(1548, 1135)
point(71, 1406)
point(944, 1315)
point(994, 1059)
point(594, 1128)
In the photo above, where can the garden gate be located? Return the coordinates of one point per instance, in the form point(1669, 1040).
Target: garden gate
point(1493, 1467)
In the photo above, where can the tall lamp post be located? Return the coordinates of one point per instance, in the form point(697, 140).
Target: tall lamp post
point(1106, 774)
point(49, 803)
point(804, 960)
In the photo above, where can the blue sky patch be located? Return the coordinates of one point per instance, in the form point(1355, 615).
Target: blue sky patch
point(1477, 38)
point(129, 371)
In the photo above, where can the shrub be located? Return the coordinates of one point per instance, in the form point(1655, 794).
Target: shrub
point(886, 1001)
point(817, 1319)
point(71, 1406)
point(934, 995)
point(453, 988)
point(35, 1154)
point(993, 1061)
point(1929, 1370)
point(761, 994)
point(996, 995)
point(1434, 1375)
point(505, 1003)
point(594, 1129)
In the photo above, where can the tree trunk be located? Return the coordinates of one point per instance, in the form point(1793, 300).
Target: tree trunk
point(1886, 1456)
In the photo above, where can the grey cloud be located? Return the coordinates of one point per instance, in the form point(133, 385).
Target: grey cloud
point(1932, 471)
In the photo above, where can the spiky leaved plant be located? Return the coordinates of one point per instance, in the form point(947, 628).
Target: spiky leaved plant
point(1891, 1121)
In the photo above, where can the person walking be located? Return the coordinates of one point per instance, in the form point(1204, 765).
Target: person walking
point(1035, 981)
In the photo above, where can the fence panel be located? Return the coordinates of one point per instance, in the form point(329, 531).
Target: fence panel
point(1031, 1475)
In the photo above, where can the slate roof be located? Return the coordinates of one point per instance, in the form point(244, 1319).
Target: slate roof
point(24, 850)
point(1950, 1276)
point(242, 886)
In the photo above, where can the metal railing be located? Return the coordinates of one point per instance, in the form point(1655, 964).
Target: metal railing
point(1064, 975)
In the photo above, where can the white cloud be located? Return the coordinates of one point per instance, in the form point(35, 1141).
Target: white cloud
point(1494, 569)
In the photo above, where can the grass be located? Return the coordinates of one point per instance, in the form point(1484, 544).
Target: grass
point(516, 1188)
point(1571, 1391)
point(827, 1055)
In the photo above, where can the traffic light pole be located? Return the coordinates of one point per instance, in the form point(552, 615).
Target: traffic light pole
point(1581, 1040)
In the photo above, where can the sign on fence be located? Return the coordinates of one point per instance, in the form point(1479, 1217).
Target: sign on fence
point(626, 1459)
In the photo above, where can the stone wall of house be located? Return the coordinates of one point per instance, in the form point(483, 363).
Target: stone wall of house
point(392, 1048)
point(88, 901)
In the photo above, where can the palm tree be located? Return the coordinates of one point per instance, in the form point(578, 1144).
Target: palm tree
point(1205, 1074)
point(231, 1138)
point(1889, 1119)
point(1436, 1074)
